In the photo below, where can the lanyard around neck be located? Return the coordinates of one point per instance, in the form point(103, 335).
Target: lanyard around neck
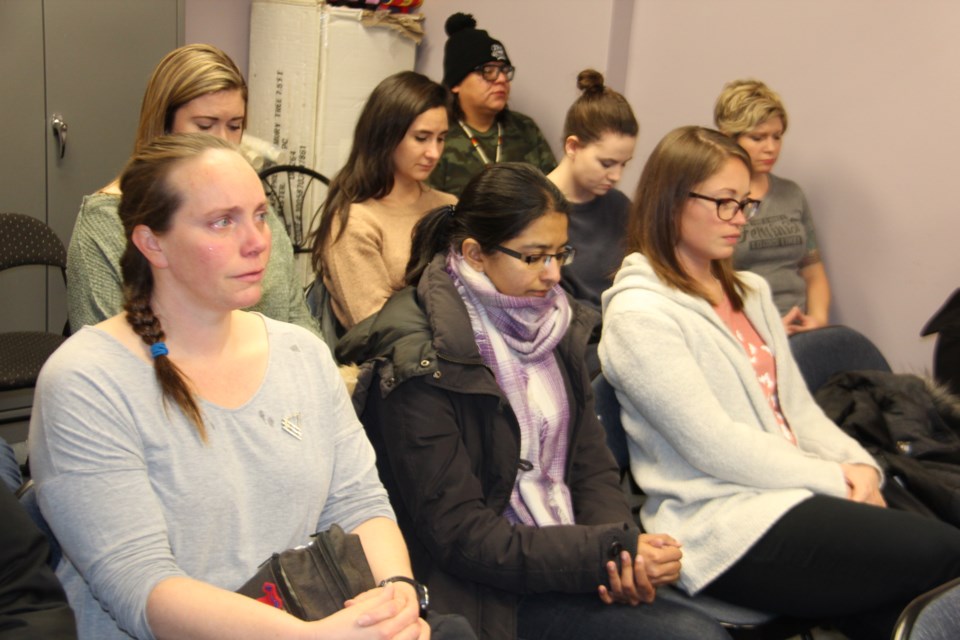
point(476, 143)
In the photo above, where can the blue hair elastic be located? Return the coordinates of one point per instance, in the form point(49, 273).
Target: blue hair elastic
point(158, 349)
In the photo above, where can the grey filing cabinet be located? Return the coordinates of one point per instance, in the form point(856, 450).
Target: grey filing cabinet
point(86, 61)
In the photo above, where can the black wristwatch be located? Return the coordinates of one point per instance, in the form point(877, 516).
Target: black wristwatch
point(423, 596)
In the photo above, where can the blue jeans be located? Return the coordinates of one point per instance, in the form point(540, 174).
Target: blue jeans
point(582, 616)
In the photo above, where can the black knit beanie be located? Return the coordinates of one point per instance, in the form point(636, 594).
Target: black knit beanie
point(467, 48)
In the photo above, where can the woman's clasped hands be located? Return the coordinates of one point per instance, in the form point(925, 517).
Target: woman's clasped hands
point(390, 612)
point(657, 563)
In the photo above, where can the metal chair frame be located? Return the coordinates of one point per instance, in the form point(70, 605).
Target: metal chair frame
point(287, 187)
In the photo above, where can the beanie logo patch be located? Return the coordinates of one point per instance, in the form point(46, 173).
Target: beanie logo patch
point(497, 52)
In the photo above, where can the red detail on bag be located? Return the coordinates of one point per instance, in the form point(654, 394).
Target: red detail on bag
point(271, 596)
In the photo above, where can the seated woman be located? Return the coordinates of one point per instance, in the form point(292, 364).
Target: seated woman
point(176, 446)
point(600, 133)
point(363, 242)
point(482, 417)
point(777, 508)
point(779, 242)
point(194, 88)
point(478, 71)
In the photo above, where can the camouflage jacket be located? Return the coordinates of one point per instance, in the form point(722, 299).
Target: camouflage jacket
point(522, 142)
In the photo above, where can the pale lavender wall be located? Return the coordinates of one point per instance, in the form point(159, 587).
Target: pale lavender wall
point(870, 85)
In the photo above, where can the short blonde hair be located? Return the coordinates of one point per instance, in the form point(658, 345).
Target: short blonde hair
point(745, 104)
point(184, 74)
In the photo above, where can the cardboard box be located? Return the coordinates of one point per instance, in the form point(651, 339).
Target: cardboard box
point(311, 69)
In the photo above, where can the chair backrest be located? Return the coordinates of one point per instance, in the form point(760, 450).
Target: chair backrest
point(934, 615)
point(25, 240)
point(296, 194)
point(27, 495)
point(821, 353)
point(608, 411)
point(318, 301)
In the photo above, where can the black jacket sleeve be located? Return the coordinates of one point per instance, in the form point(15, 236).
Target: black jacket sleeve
point(450, 459)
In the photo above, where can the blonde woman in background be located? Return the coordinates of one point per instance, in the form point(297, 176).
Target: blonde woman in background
point(779, 243)
point(196, 88)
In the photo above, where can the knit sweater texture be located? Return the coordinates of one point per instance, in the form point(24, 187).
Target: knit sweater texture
point(704, 443)
point(367, 264)
point(95, 283)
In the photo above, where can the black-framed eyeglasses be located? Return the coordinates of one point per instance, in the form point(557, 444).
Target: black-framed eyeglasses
point(491, 70)
point(728, 207)
point(541, 260)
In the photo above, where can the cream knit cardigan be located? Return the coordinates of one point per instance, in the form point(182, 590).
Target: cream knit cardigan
point(704, 443)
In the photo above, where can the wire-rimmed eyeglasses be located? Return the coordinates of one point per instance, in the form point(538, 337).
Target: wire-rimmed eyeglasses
point(727, 207)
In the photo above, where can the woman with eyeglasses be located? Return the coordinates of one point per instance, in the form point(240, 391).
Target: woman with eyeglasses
point(479, 407)
point(477, 69)
point(779, 243)
point(777, 508)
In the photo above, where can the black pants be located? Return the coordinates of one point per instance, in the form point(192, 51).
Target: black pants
point(838, 560)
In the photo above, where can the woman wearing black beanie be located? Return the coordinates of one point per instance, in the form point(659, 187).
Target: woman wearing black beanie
point(477, 69)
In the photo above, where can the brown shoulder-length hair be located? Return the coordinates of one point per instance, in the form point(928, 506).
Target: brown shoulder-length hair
point(684, 158)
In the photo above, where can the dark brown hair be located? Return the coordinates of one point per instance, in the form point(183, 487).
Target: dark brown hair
point(369, 172)
point(149, 199)
point(684, 158)
point(496, 205)
point(597, 111)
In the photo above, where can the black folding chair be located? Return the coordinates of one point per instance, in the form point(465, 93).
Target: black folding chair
point(295, 193)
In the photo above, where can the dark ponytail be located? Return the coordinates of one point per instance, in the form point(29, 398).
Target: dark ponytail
point(496, 205)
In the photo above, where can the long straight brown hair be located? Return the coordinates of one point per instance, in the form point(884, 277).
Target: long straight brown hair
point(684, 158)
point(368, 174)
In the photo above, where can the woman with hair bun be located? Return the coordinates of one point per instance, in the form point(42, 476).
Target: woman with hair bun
point(779, 243)
point(600, 134)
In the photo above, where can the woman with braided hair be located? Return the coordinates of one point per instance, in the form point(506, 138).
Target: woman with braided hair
point(175, 446)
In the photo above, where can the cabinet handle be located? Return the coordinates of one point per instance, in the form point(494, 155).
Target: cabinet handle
point(60, 133)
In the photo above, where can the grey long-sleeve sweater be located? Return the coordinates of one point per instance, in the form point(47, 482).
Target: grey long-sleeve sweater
point(134, 496)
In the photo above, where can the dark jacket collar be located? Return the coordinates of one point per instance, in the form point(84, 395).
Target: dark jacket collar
point(425, 330)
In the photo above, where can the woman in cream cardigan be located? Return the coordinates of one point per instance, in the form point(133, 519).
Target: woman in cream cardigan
point(777, 508)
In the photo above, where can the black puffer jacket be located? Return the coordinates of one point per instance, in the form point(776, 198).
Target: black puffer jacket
point(448, 450)
point(911, 428)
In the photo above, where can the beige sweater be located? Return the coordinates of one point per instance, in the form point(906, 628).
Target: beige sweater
point(365, 266)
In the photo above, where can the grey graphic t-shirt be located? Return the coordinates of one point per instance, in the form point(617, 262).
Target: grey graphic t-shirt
point(778, 242)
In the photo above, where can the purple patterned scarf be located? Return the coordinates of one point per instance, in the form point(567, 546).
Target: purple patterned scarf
point(517, 337)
